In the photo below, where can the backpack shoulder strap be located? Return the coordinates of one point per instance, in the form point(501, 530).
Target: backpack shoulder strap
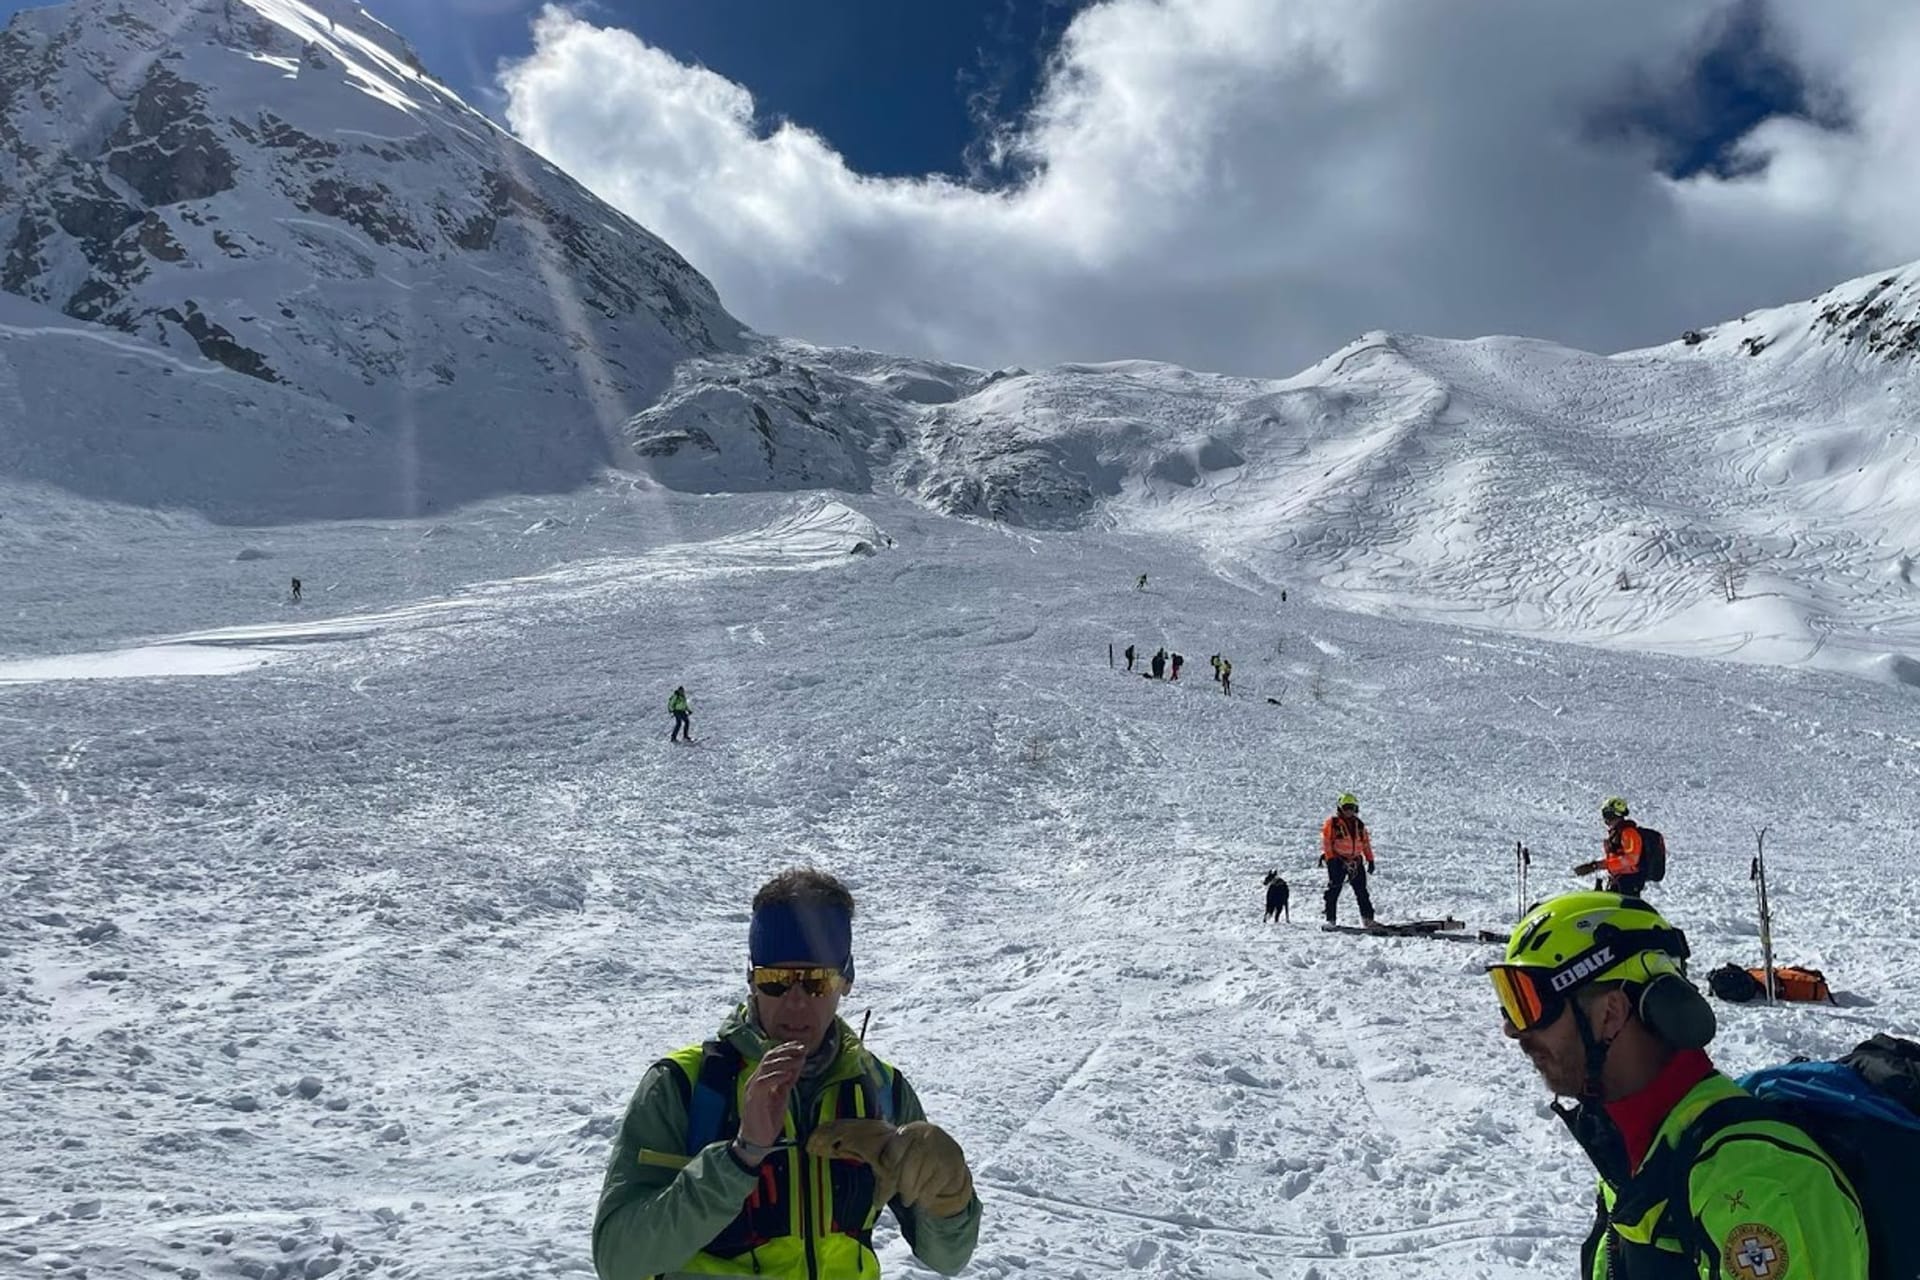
point(710, 1099)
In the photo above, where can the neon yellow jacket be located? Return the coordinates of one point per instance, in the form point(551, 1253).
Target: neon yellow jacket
point(1764, 1202)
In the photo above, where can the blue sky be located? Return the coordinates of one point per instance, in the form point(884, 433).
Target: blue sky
point(898, 86)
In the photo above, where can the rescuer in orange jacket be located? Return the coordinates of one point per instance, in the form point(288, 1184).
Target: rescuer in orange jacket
point(1348, 852)
point(1621, 854)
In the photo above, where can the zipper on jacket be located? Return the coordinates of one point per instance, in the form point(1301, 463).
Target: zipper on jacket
point(803, 1163)
point(807, 1211)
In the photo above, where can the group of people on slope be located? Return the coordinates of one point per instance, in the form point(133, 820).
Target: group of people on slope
point(1166, 666)
point(772, 1149)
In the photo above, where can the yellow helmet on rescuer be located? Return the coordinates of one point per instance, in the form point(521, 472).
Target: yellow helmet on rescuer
point(1578, 939)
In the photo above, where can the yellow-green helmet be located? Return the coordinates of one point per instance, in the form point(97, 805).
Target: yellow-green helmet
point(1639, 943)
point(1568, 942)
point(1347, 798)
point(1614, 807)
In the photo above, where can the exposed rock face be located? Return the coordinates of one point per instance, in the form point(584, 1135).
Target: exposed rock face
point(1885, 319)
point(293, 197)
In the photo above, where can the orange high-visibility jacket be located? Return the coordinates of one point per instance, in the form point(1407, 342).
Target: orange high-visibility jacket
point(1623, 850)
point(1345, 838)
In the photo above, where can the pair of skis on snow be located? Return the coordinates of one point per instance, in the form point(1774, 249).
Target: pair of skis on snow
point(1448, 929)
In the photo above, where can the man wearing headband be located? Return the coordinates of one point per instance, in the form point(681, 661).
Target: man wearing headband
point(1696, 1177)
point(770, 1150)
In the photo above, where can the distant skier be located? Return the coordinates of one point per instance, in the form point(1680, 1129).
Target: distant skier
point(1348, 852)
point(1215, 661)
point(1178, 662)
point(1226, 676)
point(1159, 664)
point(1621, 854)
point(296, 591)
point(1142, 584)
point(682, 714)
point(1129, 657)
point(1283, 595)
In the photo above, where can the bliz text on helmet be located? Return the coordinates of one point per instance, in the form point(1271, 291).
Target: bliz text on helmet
point(1591, 963)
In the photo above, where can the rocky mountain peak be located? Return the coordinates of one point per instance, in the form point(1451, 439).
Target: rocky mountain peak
point(279, 186)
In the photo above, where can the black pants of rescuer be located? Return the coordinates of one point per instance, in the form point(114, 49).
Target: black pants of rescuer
point(1341, 872)
point(1629, 885)
point(682, 723)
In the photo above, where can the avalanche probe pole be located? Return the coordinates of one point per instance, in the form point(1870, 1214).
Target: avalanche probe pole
point(1759, 877)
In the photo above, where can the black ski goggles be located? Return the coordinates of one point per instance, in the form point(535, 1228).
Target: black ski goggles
point(776, 980)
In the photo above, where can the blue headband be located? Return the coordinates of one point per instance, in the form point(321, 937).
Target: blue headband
point(812, 933)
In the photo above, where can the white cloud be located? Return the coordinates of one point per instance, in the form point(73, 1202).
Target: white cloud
point(1246, 184)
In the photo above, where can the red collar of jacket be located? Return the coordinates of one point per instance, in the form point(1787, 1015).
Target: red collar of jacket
point(1640, 1115)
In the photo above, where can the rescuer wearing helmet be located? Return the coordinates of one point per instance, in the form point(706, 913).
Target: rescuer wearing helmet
point(1593, 988)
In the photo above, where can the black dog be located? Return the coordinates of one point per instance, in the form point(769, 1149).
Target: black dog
point(1277, 895)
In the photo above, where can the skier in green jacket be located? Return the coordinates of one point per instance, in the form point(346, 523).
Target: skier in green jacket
point(1594, 990)
point(771, 1150)
point(682, 714)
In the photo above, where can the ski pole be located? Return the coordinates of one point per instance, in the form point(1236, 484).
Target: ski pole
point(1759, 877)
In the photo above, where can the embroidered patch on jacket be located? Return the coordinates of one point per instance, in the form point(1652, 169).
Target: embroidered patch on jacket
point(1755, 1252)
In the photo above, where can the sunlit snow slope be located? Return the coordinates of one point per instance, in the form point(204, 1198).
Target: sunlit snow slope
point(426, 844)
point(1515, 484)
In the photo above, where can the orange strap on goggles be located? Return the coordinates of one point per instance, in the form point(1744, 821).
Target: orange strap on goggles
point(776, 980)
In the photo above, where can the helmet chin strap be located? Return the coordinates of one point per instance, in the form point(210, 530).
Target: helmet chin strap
point(1596, 1050)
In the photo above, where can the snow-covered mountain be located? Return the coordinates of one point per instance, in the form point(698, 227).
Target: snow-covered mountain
point(1750, 490)
point(279, 189)
point(267, 269)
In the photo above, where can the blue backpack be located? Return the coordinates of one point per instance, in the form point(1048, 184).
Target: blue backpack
point(1864, 1111)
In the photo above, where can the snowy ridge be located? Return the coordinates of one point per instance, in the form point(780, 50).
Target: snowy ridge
point(1501, 482)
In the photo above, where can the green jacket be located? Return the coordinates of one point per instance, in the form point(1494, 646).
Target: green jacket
point(1764, 1202)
point(676, 702)
point(660, 1209)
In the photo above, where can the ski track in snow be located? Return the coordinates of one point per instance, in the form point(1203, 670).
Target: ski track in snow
point(436, 853)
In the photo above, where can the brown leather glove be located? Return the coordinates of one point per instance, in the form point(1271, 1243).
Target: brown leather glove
point(920, 1162)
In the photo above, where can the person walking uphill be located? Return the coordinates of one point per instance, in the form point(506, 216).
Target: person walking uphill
point(1623, 853)
point(772, 1149)
point(1697, 1179)
point(1348, 852)
point(682, 714)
